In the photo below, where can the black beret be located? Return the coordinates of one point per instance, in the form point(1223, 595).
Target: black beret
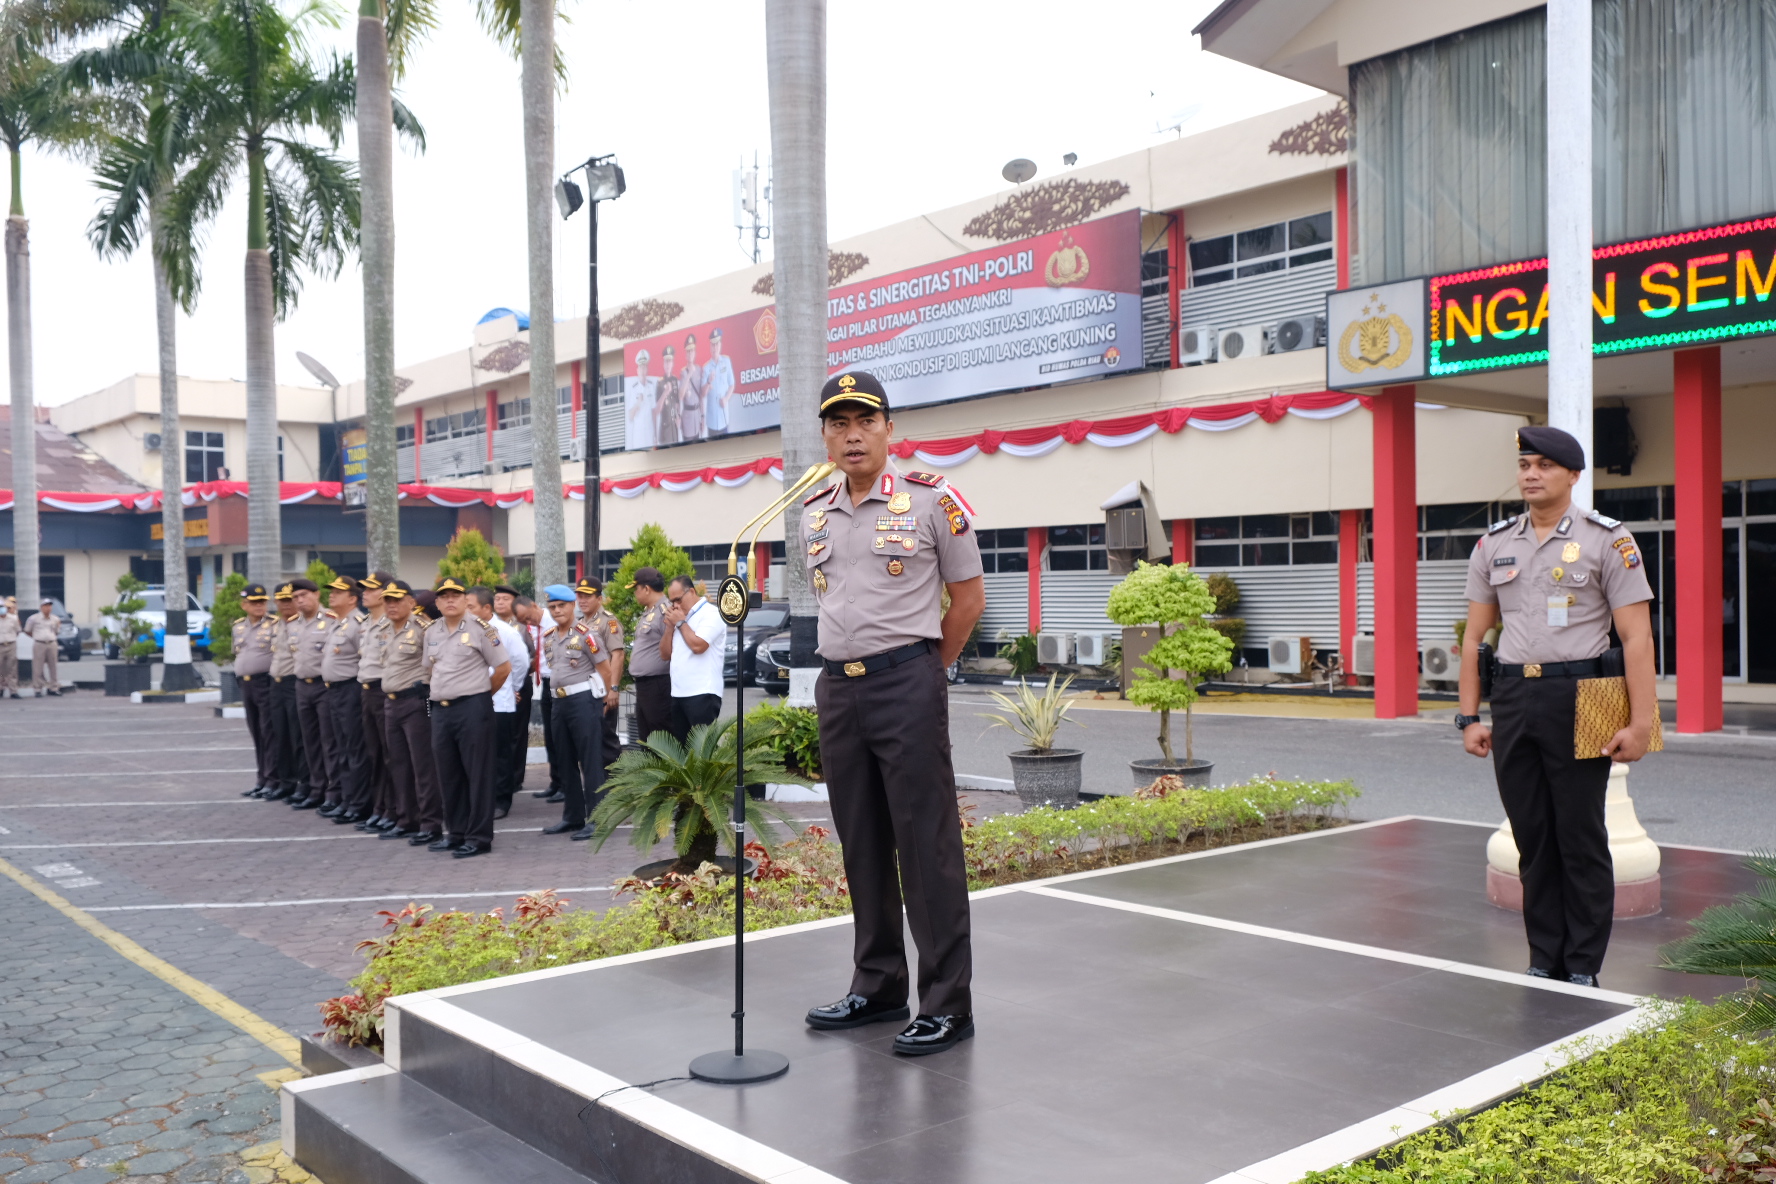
point(303, 584)
point(506, 588)
point(1561, 447)
point(853, 388)
point(649, 577)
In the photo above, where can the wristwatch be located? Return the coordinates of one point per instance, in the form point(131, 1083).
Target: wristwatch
point(1463, 722)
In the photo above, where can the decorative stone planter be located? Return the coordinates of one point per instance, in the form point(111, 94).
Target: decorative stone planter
point(126, 678)
point(1194, 774)
point(1635, 858)
point(1047, 777)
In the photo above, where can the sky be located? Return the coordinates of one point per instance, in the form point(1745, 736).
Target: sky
point(927, 100)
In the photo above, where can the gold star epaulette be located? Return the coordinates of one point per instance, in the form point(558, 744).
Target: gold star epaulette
point(930, 479)
point(580, 627)
point(808, 501)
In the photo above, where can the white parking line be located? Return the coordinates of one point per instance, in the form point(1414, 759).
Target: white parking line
point(114, 805)
point(135, 751)
point(278, 904)
point(120, 773)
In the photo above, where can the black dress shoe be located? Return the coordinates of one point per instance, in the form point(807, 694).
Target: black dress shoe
point(444, 843)
point(331, 809)
point(581, 835)
point(280, 794)
point(854, 1011)
point(467, 850)
point(500, 812)
point(347, 818)
point(1584, 980)
point(424, 838)
point(395, 832)
point(304, 804)
point(370, 824)
point(256, 791)
point(543, 793)
point(561, 828)
point(933, 1033)
point(1538, 972)
point(555, 795)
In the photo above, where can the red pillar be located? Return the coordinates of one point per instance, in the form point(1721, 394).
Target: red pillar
point(1341, 233)
point(1175, 278)
point(1396, 554)
point(577, 403)
point(1696, 386)
point(1184, 540)
point(418, 441)
point(1350, 544)
point(492, 421)
point(1038, 540)
point(761, 565)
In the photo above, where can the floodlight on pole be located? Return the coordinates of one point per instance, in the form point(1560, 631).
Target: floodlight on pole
point(604, 182)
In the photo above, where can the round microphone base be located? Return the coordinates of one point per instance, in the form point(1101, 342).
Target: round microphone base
point(725, 1068)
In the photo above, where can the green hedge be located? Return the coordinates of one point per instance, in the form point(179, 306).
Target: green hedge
point(1656, 1107)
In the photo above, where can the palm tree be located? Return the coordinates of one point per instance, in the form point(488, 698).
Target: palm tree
point(384, 41)
point(34, 109)
point(795, 52)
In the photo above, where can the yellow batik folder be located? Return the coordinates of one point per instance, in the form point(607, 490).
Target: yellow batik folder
point(1602, 711)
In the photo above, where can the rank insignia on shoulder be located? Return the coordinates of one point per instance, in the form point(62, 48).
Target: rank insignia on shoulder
point(1498, 526)
point(929, 479)
point(1604, 520)
point(823, 493)
point(493, 635)
point(580, 628)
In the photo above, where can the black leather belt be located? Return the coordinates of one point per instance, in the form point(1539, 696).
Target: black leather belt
point(460, 699)
point(1589, 668)
point(905, 653)
point(413, 692)
point(306, 678)
point(374, 684)
point(340, 682)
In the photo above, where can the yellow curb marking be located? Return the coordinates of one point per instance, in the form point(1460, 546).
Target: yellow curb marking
point(260, 1029)
point(267, 1164)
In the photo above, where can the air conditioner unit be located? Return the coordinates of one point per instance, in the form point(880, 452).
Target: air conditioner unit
point(1291, 655)
point(1240, 342)
point(1196, 343)
point(1362, 657)
point(576, 450)
point(1296, 333)
point(1442, 663)
point(1054, 649)
point(1089, 648)
point(150, 441)
point(292, 561)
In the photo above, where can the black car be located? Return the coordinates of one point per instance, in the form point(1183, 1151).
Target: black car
point(767, 618)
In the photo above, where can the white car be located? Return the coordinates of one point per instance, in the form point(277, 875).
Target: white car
point(153, 613)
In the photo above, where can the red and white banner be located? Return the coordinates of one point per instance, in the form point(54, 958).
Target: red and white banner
point(1052, 308)
point(289, 493)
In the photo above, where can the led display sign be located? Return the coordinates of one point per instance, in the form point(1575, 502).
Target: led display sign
point(1690, 288)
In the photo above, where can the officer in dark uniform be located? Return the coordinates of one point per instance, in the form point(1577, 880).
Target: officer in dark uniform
point(577, 686)
point(252, 638)
point(348, 757)
point(881, 548)
point(589, 595)
point(308, 644)
point(414, 802)
point(465, 663)
point(650, 672)
point(1556, 578)
point(292, 765)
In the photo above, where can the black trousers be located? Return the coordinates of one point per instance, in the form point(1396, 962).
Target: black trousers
point(579, 722)
point(1555, 804)
point(613, 737)
point(462, 750)
point(316, 725)
point(376, 775)
point(885, 746)
point(510, 732)
point(255, 691)
point(690, 710)
point(551, 744)
point(286, 727)
point(413, 795)
point(653, 704)
point(347, 759)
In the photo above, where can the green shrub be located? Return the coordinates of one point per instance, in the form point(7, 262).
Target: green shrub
point(1020, 651)
point(1232, 628)
point(1649, 1109)
point(1177, 599)
point(472, 559)
point(793, 733)
point(225, 610)
point(651, 547)
point(1738, 940)
point(1225, 591)
point(322, 575)
point(132, 636)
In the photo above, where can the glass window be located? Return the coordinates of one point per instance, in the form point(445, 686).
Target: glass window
point(403, 434)
point(1731, 500)
point(437, 429)
point(1214, 277)
point(1311, 231)
point(1264, 268)
point(203, 456)
point(1306, 257)
point(1316, 552)
point(1217, 556)
point(1325, 524)
point(1077, 548)
point(514, 414)
point(1211, 252)
point(1066, 536)
point(1265, 526)
point(1217, 528)
point(1760, 497)
point(1456, 516)
point(1265, 240)
point(1630, 505)
point(1004, 550)
point(1264, 554)
point(1298, 526)
point(564, 399)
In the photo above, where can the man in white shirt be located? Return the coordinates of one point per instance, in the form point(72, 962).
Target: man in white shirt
point(510, 731)
point(639, 395)
point(694, 647)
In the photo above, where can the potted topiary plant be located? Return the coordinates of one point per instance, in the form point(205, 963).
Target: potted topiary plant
point(685, 792)
point(127, 635)
point(1042, 774)
point(1176, 599)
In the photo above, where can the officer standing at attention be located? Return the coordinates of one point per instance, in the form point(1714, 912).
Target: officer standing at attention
point(348, 761)
point(1557, 577)
point(42, 627)
point(651, 672)
point(576, 685)
point(415, 807)
point(286, 728)
point(881, 548)
point(372, 637)
point(465, 663)
point(590, 596)
point(10, 626)
point(308, 643)
point(252, 638)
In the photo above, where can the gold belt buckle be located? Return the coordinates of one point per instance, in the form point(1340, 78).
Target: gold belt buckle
point(560, 692)
point(854, 669)
point(1532, 670)
point(443, 702)
point(390, 694)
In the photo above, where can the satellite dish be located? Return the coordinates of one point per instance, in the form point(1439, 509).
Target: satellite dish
point(322, 375)
point(1019, 171)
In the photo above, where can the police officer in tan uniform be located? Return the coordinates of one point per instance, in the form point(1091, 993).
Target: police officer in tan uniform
point(10, 627)
point(651, 673)
point(308, 643)
point(252, 638)
point(42, 627)
point(589, 594)
point(372, 638)
point(465, 663)
point(881, 547)
point(286, 726)
point(414, 804)
point(577, 667)
point(347, 758)
point(1556, 578)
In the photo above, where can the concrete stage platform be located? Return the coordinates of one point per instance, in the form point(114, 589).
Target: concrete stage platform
point(1245, 1014)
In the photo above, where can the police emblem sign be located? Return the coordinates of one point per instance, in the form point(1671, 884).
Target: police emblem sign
point(1376, 336)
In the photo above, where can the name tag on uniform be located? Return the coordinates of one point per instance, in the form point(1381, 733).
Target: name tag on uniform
point(1557, 606)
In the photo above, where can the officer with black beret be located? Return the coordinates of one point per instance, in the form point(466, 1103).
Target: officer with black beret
point(882, 547)
point(1557, 577)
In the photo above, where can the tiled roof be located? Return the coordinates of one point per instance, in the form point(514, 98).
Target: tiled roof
point(64, 464)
